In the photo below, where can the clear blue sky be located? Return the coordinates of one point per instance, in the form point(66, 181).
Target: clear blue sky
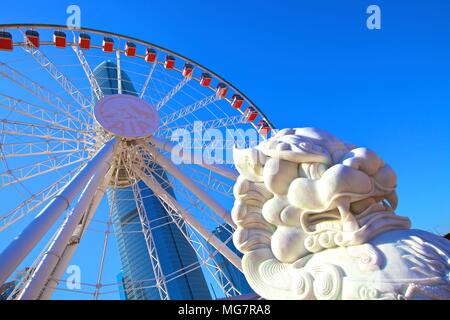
point(314, 63)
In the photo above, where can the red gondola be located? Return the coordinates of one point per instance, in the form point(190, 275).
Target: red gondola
point(108, 44)
point(59, 38)
point(250, 114)
point(84, 41)
point(32, 37)
point(205, 79)
point(130, 49)
point(188, 70)
point(6, 43)
point(150, 55)
point(236, 101)
point(170, 62)
point(263, 128)
point(221, 90)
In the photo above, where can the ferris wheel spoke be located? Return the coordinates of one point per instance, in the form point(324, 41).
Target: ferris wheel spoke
point(173, 108)
point(170, 147)
point(141, 284)
point(36, 112)
point(37, 148)
point(119, 72)
point(210, 182)
point(186, 216)
point(148, 236)
point(59, 77)
point(34, 149)
point(205, 256)
point(196, 203)
point(215, 206)
point(14, 176)
point(45, 95)
point(205, 179)
point(21, 128)
point(35, 201)
point(186, 194)
point(166, 182)
point(230, 121)
point(147, 80)
point(180, 113)
point(172, 93)
point(88, 71)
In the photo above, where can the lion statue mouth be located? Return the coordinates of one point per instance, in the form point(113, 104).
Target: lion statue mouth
point(303, 192)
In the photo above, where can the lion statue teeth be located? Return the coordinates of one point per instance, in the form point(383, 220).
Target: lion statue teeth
point(315, 220)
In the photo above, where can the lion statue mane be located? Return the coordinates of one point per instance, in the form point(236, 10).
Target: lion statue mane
point(316, 219)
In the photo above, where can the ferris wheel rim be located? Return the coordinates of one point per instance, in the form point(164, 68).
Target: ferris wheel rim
point(142, 42)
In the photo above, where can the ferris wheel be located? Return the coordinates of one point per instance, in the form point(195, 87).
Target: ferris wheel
point(91, 117)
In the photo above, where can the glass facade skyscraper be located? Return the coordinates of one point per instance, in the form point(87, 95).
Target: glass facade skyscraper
point(174, 251)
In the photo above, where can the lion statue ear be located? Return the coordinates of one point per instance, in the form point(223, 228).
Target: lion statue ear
point(249, 163)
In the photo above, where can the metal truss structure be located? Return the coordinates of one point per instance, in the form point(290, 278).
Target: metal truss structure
point(57, 161)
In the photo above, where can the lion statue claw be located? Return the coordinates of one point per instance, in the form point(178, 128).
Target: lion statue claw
point(316, 220)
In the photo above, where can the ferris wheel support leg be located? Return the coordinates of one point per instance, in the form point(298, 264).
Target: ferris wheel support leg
point(189, 218)
point(169, 146)
point(41, 275)
point(21, 246)
point(56, 270)
point(215, 206)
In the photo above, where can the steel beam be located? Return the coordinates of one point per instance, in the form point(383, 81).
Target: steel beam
point(214, 205)
point(150, 243)
point(172, 93)
point(35, 201)
point(167, 132)
point(169, 146)
point(75, 239)
point(45, 95)
point(119, 72)
point(174, 116)
point(206, 257)
point(65, 83)
point(88, 71)
point(54, 163)
point(147, 81)
point(36, 112)
point(42, 273)
point(21, 246)
point(190, 219)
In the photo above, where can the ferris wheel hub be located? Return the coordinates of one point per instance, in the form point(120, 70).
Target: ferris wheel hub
point(127, 116)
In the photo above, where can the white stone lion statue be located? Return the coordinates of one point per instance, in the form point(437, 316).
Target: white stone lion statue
point(315, 220)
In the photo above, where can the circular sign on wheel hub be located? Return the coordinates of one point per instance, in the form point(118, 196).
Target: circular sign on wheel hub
point(126, 116)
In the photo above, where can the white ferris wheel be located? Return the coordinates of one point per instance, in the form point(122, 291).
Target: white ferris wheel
point(72, 138)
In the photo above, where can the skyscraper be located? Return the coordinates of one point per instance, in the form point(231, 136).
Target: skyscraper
point(230, 271)
point(174, 251)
